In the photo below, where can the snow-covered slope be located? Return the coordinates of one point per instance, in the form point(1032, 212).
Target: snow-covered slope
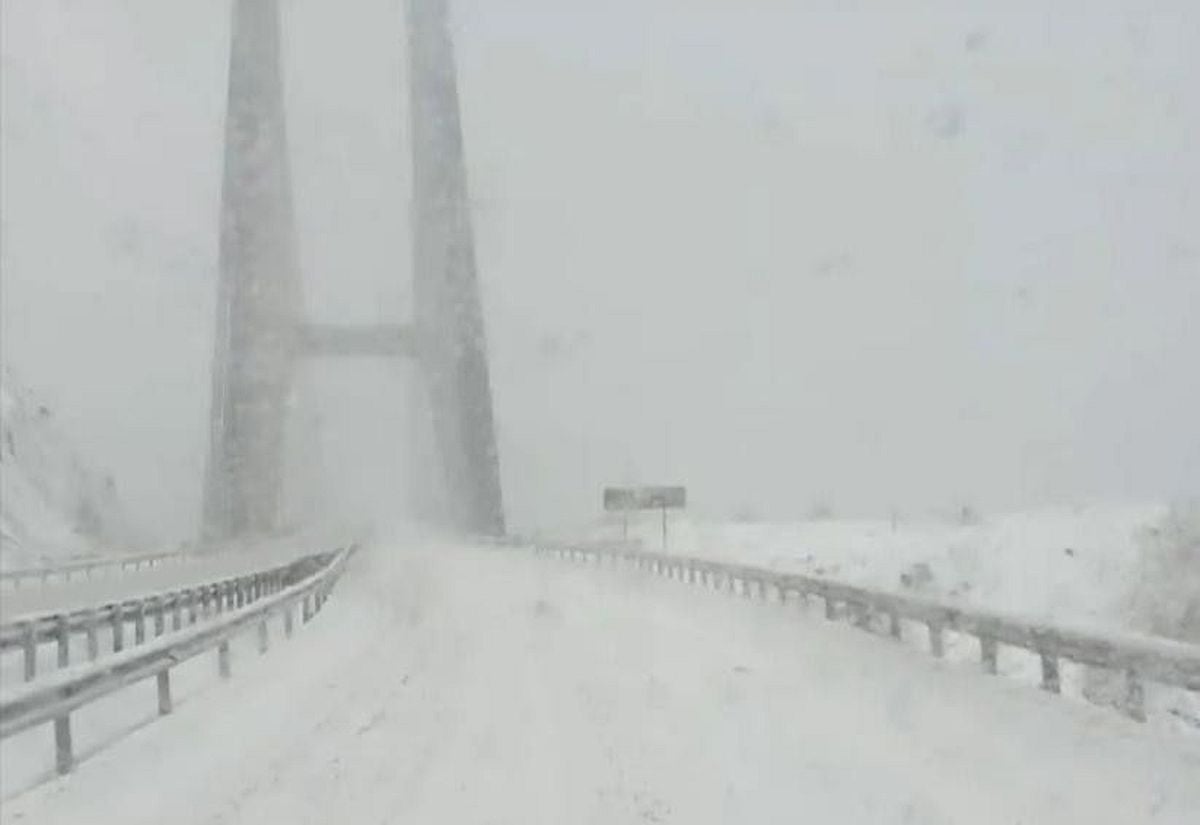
point(52, 505)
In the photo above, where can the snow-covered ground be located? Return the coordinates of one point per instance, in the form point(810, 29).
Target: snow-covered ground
point(1069, 565)
point(446, 685)
point(108, 585)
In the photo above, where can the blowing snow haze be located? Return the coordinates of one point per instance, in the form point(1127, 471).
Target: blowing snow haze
point(792, 255)
point(530, 412)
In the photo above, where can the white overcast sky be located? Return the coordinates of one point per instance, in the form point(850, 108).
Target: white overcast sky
point(783, 252)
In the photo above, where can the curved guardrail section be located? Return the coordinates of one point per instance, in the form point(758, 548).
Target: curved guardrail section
point(1141, 659)
point(191, 603)
point(87, 567)
point(54, 697)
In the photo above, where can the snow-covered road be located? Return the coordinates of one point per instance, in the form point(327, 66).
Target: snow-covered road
point(113, 584)
point(485, 686)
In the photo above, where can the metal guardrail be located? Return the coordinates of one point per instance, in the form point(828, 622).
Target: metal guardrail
point(1141, 659)
point(191, 603)
point(53, 698)
point(86, 567)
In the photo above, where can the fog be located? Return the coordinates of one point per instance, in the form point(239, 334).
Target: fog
point(787, 254)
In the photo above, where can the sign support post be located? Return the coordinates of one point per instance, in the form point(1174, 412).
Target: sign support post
point(626, 499)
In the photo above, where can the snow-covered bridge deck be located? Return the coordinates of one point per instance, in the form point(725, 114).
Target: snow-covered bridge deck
point(487, 687)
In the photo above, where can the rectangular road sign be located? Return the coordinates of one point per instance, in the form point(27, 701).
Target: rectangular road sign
point(644, 498)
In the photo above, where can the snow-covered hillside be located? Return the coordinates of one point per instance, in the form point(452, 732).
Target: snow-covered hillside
point(52, 505)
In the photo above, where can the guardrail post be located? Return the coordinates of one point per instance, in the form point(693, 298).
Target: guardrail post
point(29, 647)
point(160, 621)
point(93, 640)
point(62, 634)
point(288, 620)
point(895, 628)
point(177, 612)
point(191, 606)
point(164, 692)
point(988, 654)
point(1135, 696)
point(117, 621)
point(263, 637)
point(830, 607)
point(306, 611)
point(1050, 677)
point(937, 639)
point(139, 624)
point(223, 659)
point(64, 757)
